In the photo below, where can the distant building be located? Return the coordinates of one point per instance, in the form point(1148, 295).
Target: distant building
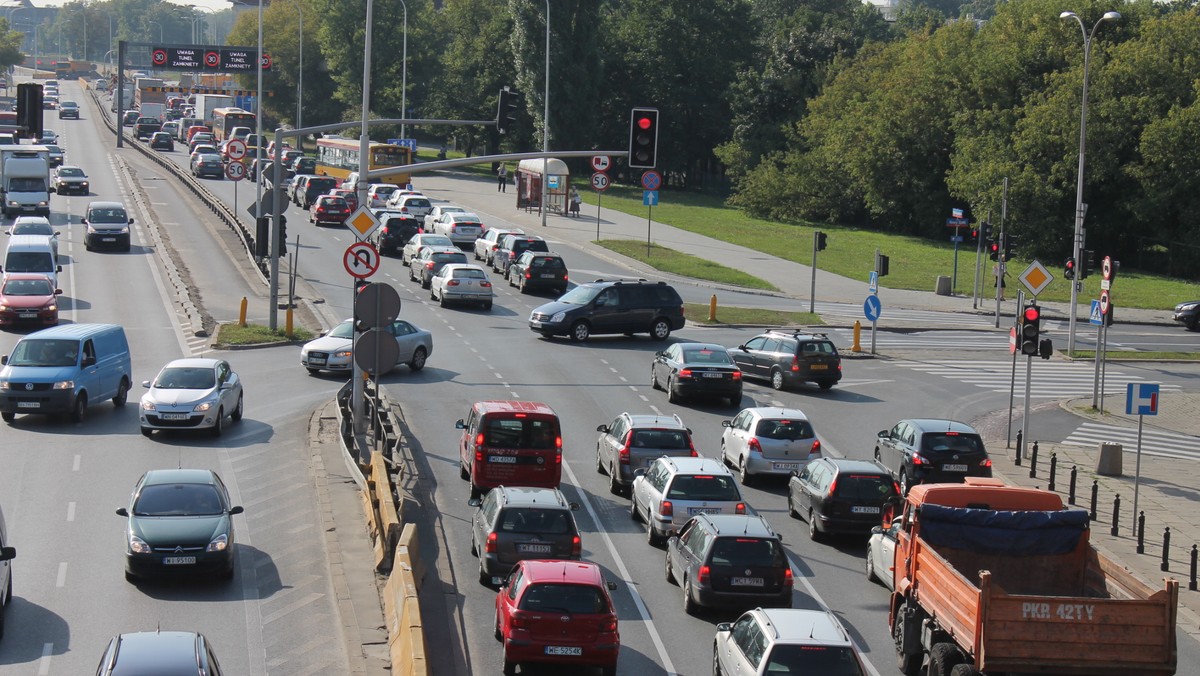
point(890, 9)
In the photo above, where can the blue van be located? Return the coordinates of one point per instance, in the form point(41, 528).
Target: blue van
point(62, 369)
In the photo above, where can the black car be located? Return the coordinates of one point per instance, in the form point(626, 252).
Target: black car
point(425, 266)
point(315, 187)
point(208, 165)
point(836, 495)
point(607, 306)
point(1188, 314)
point(517, 523)
point(512, 246)
point(923, 450)
point(395, 230)
point(145, 127)
point(161, 140)
point(787, 357)
point(159, 652)
point(729, 560)
point(180, 522)
point(687, 370)
point(537, 270)
point(304, 165)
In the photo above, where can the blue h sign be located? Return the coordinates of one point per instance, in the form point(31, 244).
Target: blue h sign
point(1141, 399)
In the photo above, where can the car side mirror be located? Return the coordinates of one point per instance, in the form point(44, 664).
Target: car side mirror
point(58, 292)
point(658, 354)
point(743, 348)
point(460, 425)
point(121, 511)
point(236, 510)
point(59, 269)
point(131, 220)
point(228, 385)
point(639, 472)
point(883, 434)
point(145, 383)
point(724, 627)
point(672, 541)
point(8, 553)
point(602, 428)
point(4, 360)
point(726, 423)
point(475, 502)
point(612, 586)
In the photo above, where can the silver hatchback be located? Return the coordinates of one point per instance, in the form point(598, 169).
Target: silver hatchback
point(768, 441)
point(516, 523)
point(674, 490)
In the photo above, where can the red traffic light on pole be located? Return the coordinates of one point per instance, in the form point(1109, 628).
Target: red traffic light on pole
point(643, 138)
point(1031, 329)
point(1069, 269)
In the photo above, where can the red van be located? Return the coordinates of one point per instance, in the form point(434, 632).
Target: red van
point(515, 443)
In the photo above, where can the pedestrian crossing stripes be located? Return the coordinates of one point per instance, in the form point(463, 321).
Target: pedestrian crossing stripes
point(1050, 379)
point(925, 340)
point(925, 317)
point(1154, 442)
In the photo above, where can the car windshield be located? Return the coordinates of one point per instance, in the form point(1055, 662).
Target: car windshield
point(951, 442)
point(788, 430)
point(436, 240)
point(107, 215)
point(32, 229)
point(703, 487)
point(706, 356)
point(580, 295)
point(662, 439)
point(26, 185)
point(72, 172)
point(29, 261)
point(743, 551)
point(866, 487)
point(178, 500)
point(812, 659)
point(534, 520)
point(564, 598)
point(343, 330)
point(45, 352)
point(28, 287)
point(186, 378)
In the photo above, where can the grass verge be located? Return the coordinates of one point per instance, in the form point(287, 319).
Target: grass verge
point(697, 313)
point(687, 265)
point(1130, 354)
point(254, 334)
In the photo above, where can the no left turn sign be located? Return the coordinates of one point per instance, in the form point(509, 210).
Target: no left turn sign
point(361, 260)
point(600, 181)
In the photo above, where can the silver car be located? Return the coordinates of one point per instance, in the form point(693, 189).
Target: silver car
point(674, 490)
point(768, 441)
point(192, 394)
point(517, 523)
point(333, 351)
point(419, 241)
point(785, 641)
point(462, 228)
point(436, 212)
point(462, 283)
point(881, 554)
point(490, 241)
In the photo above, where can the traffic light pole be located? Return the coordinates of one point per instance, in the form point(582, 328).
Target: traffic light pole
point(1025, 407)
point(812, 289)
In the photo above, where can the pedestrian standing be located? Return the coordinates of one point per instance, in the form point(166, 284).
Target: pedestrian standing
point(576, 200)
point(1000, 272)
point(502, 178)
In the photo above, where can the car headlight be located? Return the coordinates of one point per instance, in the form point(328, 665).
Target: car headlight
point(138, 545)
point(147, 405)
point(50, 307)
point(4, 308)
point(343, 353)
point(64, 385)
point(200, 408)
point(14, 203)
point(558, 317)
point(219, 544)
point(1187, 306)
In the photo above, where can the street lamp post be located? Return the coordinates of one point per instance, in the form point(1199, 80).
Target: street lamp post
point(545, 121)
point(404, 75)
point(1079, 206)
point(300, 79)
point(160, 31)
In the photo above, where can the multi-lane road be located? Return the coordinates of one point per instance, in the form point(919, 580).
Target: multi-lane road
point(62, 482)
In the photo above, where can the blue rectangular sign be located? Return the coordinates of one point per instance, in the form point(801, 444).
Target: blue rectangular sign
point(410, 143)
point(1141, 399)
point(649, 198)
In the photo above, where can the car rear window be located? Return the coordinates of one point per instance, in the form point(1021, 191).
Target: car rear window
point(664, 439)
point(469, 273)
point(703, 487)
point(419, 202)
point(951, 442)
point(869, 487)
point(813, 659)
point(547, 263)
point(531, 433)
point(534, 520)
point(787, 430)
point(521, 245)
point(568, 598)
point(818, 347)
point(322, 183)
point(706, 356)
point(449, 257)
point(743, 551)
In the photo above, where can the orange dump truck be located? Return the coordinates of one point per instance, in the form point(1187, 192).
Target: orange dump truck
point(996, 579)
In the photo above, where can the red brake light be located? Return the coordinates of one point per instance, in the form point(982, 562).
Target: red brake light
point(519, 620)
point(987, 462)
point(576, 546)
point(788, 580)
point(685, 373)
point(479, 439)
point(702, 578)
point(608, 625)
point(666, 508)
point(896, 486)
point(623, 454)
point(816, 448)
point(429, 265)
point(486, 284)
point(453, 282)
point(795, 363)
point(490, 546)
point(917, 459)
point(755, 447)
point(740, 508)
point(527, 275)
point(478, 456)
point(737, 375)
point(833, 487)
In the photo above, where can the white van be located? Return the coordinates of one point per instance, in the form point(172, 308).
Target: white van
point(32, 253)
point(7, 554)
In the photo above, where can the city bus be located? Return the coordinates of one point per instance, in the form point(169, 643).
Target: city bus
point(225, 119)
point(338, 157)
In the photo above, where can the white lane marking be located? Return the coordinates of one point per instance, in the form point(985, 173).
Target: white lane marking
point(44, 663)
point(824, 606)
point(70, 511)
point(664, 659)
point(62, 575)
point(75, 464)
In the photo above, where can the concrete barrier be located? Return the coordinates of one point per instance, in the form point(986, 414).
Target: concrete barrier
point(389, 516)
point(402, 613)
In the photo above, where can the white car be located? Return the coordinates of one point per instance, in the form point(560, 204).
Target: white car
point(413, 247)
point(462, 283)
point(462, 228)
point(881, 554)
point(436, 213)
point(487, 244)
point(673, 490)
point(378, 194)
point(190, 394)
point(409, 203)
point(768, 441)
point(35, 225)
point(333, 350)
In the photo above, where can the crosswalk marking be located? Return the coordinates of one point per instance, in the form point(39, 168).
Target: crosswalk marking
point(1154, 442)
point(956, 340)
point(926, 317)
point(1050, 379)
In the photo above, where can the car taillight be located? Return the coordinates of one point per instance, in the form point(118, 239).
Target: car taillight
point(755, 447)
point(918, 460)
point(429, 265)
point(816, 449)
point(519, 620)
point(986, 462)
point(479, 439)
point(608, 625)
point(788, 580)
point(576, 546)
point(623, 454)
point(453, 282)
point(685, 373)
point(478, 456)
point(666, 508)
point(495, 246)
point(486, 285)
point(795, 363)
point(692, 448)
point(490, 546)
point(527, 275)
point(740, 508)
point(832, 488)
point(702, 577)
point(737, 375)
point(896, 486)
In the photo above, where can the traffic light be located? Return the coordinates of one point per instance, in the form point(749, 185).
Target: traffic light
point(643, 138)
point(820, 241)
point(282, 235)
point(881, 265)
point(993, 248)
point(29, 109)
point(1069, 269)
point(1085, 263)
point(1010, 246)
point(986, 231)
point(506, 110)
point(262, 236)
point(1031, 329)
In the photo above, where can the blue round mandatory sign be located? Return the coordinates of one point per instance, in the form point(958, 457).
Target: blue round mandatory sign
point(872, 308)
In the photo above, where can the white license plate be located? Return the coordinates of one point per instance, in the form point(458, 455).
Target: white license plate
point(179, 560)
point(108, 239)
point(503, 459)
point(173, 416)
point(548, 275)
point(746, 581)
point(563, 650)
point(534, 322)
point(29, 404)
point(704, 510)
point(954, 468)
point(534, 549)
point(28, 315)
point(316, 360)
point(785, 465)
point(864, 510)
point(714, 375)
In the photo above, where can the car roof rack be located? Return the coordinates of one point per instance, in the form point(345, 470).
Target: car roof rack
point(797, 332)
point(626, 280)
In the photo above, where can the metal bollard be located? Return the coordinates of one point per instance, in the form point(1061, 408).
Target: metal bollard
point(1192, 582)
point(1095, 496)
point(1071, 492)
point(1141, 532)
point(1018, 460)
point(1116, 515)
point(1166, 560)
point(1033, 461)
point(1053, 469)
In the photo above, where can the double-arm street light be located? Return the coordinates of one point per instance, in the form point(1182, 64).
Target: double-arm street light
point(404, 75)
point(1077, 249)
point(160, 31)
point(545, 121)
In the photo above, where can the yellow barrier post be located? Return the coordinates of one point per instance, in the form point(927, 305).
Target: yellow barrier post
point(857, 334)
point(242, 312)
point(288, 330)
point(712, 308)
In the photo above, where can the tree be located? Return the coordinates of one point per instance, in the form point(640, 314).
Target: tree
point(10, 46)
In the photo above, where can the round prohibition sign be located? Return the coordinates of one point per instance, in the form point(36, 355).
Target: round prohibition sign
point(266, 61)
point(1106, 268)
point(235, 149)
point(212, 59)
point(600, 181)
point(235, 171)
point(159, 57)
point(651, 180)
point(361, 260)
point(601, 162)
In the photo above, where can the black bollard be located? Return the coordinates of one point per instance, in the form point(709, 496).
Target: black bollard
point(1018, 461)
point(1192, 582)
point(1116, 515)
point(1095, 496)
point(1141, 528)
point(1071, 491)
point(1166, 561)
point(1033, 461)
point(1053, 469)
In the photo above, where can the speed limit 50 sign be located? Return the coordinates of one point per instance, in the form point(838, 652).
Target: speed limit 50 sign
point(600, 181)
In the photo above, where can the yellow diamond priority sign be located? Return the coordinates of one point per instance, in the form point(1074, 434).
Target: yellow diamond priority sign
point(363, 223)
point(1036, 278)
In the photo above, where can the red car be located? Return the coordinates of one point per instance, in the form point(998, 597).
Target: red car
point(557, 612)
point(350, 196)
point(329, 210)
point(28, 298)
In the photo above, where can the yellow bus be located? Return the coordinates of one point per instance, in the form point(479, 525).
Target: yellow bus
point(339, 156)
point(225, 119)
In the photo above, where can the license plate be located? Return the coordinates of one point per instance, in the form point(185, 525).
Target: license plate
point(173, 416)
point(29, 404)
point(548, 276)
point(746, 581)
point(785, 465)
point(534, 549)
point(108, 239)
point(503, 459)
point(563, 650)
point(714, 375)
point(819, 367)
point(704, 510)
point(316, 360)
point(954, 468)
point(864, 510)
point(28, 315)
point(179, 560)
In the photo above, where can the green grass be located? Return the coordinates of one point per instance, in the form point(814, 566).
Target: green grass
point(254, 334)
point(914, 263)
point(1131, 354)
point(485, 169)
point(698, 313)
point(687, 265)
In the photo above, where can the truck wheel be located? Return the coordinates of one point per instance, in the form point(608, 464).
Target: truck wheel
point(909, 664)
point(965, 670)
point(943, 657)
